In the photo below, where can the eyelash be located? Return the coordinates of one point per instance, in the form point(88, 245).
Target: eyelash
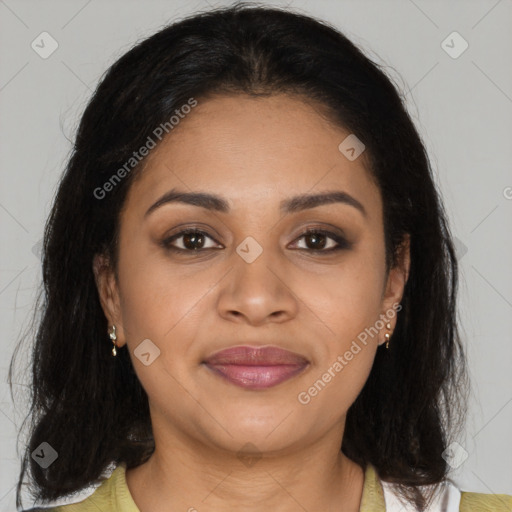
point(342, 243)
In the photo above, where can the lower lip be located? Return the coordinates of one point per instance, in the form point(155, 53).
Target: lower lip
point(256, 377)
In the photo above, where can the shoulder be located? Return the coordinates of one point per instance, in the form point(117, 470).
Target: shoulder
point(105, 497)
point(474, 501)
point(447, 497)
point(86, 505)
point(100, 499)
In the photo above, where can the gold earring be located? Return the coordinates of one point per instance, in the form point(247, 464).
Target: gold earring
point(113, 337)
point(387, 335)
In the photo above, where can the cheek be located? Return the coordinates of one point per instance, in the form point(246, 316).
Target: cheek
point(348, 298)
point(161, 304)
point(157, 297)
point(334, 387)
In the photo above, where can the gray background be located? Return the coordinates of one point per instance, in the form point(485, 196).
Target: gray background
point(462, 107)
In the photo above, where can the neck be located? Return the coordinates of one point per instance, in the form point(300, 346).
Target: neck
point(183, 474)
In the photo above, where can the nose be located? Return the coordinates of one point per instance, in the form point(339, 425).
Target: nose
point(258, 292)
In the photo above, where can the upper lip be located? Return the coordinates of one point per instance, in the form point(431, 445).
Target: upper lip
point(268, 355)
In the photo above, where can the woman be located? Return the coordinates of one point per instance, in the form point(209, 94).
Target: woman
point(251, 286)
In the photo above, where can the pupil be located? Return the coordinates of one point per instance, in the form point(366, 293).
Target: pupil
point(191, 239)
point(315, 237)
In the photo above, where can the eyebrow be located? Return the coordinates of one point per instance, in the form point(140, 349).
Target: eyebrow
point(290, 205)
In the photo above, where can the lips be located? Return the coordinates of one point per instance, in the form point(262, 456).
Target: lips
point(256, 367)
point(256, 356)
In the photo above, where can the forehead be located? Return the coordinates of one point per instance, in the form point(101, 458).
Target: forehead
point(251, 149)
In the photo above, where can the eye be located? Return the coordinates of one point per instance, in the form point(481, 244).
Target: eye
point(193, 240)
point(317, 241)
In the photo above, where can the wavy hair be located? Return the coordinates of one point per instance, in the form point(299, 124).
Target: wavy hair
point(90, 407)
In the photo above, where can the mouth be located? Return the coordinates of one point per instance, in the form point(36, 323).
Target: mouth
point(256, 367)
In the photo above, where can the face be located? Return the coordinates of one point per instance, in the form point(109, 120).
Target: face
point(250, 274)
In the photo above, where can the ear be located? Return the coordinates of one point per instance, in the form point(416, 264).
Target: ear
point(395, 284)
point(108, 292)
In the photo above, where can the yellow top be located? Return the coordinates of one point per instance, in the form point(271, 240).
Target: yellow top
point(113, 495)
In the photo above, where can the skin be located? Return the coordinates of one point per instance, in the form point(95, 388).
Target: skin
point(254, 152)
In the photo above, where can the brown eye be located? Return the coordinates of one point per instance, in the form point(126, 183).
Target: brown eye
point(193, 240)
point(318, 240)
